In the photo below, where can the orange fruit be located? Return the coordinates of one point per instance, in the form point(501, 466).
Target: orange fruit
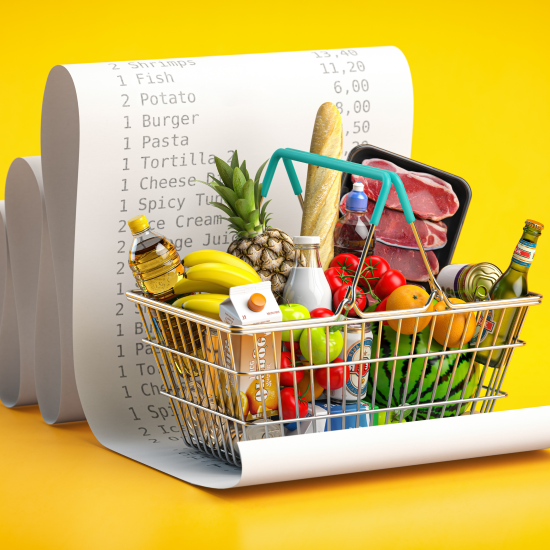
point(408, 297)
point(244, 403)
point(457, 328)
point(304, 387)
point(269, 382)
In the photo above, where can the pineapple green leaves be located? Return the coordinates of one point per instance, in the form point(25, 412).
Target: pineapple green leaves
point(242, 197)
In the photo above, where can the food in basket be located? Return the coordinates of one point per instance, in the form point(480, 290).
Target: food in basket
point(353, 227)
point(442, 323)
point(293, 312)
point(250, 354)
point(288, 405)
point(305, 389)
point(323, 185)
point(268, 250)
point(414, 387)
point(409, 262)
point(221, 274)
point(390, 281)
point(306, 284)
point(360, 299)
point(430, 197)
point(350, 421)
point(393, 229)
point(409, 297)
point(337, 377)
point(287, 378)
point(154, 261)
point(207, 303)
point(469, 282)
point(206, 256)
point(359, 372)
point(187, 286)
point(319, 345)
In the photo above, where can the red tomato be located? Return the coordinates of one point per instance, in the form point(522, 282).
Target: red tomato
point(288, 405)
point(336, 278)
point(336, 376)
point(391, 280)
point(340, 294)
point(286, 378)
point(349, 262)
point(321, 312)
point(373, 269)
point(296, 346)
point(382, 307)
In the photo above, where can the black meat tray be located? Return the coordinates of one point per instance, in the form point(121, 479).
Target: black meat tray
point(460, 187)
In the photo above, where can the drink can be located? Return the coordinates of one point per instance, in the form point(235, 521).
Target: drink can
point(469, 282)
point(359, 373)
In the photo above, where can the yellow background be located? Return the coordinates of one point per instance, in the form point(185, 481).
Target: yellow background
point(481, 80)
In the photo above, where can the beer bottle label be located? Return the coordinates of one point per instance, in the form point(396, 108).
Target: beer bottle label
point(524, 253)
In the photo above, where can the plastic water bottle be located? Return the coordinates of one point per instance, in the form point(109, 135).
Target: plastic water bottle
point(352, 229)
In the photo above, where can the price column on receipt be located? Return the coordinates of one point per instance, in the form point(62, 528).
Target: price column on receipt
point(349, 75)
point(149, 131)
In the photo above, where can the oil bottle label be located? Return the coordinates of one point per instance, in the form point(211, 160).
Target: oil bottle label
point(524, 253)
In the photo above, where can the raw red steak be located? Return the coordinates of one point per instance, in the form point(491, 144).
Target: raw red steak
point(393, 229)
point(409, 262)
point(430, 196)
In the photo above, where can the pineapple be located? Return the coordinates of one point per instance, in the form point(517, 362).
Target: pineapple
point(268, 250)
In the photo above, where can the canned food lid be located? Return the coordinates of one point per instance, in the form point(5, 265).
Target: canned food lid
point(479, 280)
point(535, 225)
point(256, 302)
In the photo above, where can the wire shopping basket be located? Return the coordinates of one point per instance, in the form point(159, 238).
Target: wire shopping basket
point(406, 376)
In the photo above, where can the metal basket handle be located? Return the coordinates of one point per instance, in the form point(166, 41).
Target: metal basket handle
point(385, 176)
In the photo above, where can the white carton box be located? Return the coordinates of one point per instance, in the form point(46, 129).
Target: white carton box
point(248, 356)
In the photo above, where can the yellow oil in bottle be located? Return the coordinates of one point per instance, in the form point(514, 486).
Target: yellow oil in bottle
point(154, 261)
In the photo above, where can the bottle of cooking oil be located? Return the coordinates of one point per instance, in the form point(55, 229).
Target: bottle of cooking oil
point(154, 261)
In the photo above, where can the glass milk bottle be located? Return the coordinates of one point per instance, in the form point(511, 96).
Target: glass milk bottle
point(308, 285)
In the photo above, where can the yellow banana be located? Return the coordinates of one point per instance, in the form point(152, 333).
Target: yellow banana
point(209, 303)
point(181, 301)
point(221, 274)
point(219, 257)
point(186, 286)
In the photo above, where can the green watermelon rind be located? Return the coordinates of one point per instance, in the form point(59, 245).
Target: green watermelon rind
point(387, 349)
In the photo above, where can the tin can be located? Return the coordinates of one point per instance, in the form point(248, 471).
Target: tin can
point(359, 373)
point(469, 282)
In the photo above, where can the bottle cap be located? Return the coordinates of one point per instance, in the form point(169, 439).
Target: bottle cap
point(535, 225)
point(256, 302)
point(138, 224)
point(357, 200)
point(307, 240)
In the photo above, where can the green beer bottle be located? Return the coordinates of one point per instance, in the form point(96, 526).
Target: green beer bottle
point(512, 284)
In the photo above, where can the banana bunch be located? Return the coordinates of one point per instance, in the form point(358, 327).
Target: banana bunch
point(213, 273)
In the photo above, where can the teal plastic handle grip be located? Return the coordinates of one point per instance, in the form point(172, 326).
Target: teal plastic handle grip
point(385, 176)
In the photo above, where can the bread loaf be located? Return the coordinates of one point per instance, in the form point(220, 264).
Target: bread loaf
point(322, 195)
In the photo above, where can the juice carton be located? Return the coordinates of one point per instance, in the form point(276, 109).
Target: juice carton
point(250, 305)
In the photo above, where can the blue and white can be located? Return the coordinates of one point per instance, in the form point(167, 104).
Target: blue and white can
point(359, 374)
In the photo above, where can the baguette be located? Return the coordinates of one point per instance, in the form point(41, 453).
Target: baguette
point(322, 197)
